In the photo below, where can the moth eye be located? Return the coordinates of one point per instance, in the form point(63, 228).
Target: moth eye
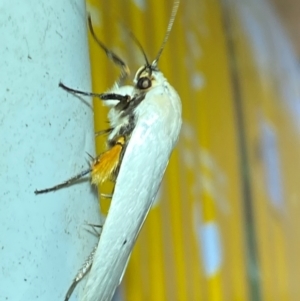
point(144, 83)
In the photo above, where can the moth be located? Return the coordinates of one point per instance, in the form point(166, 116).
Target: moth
point(145, 122)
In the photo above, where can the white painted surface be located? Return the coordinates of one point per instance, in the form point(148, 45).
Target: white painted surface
point(45, 134)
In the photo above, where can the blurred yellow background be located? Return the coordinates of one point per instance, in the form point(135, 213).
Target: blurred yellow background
point(225, 224)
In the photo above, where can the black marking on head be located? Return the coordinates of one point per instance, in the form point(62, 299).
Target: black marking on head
point(146, 71)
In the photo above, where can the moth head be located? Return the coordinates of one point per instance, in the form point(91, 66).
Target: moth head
point(149, 75)
point(146, 78)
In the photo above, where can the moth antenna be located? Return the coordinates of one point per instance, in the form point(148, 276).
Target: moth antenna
point(169, 28)
point(137, 42)
point(103, 132)
point(110, 54)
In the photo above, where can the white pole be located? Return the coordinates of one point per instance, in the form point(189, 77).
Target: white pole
point(45, 134)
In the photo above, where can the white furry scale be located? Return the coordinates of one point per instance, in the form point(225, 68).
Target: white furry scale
point(158, 123)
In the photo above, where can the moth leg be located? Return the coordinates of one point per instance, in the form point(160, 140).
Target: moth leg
point(65, 183)
point(94, 226)
point(68, 89)
point(102, 96)
point(81, 273)
point(101, 170)
point(103, 132)
point(107, 163)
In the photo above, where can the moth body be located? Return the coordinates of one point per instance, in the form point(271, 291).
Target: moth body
point(155, 133)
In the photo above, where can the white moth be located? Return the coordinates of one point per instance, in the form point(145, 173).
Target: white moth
point(145, 121)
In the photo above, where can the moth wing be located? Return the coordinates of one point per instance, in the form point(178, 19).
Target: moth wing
point(140, 175)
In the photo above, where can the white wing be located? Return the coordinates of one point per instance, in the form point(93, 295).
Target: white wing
point(141, 172)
